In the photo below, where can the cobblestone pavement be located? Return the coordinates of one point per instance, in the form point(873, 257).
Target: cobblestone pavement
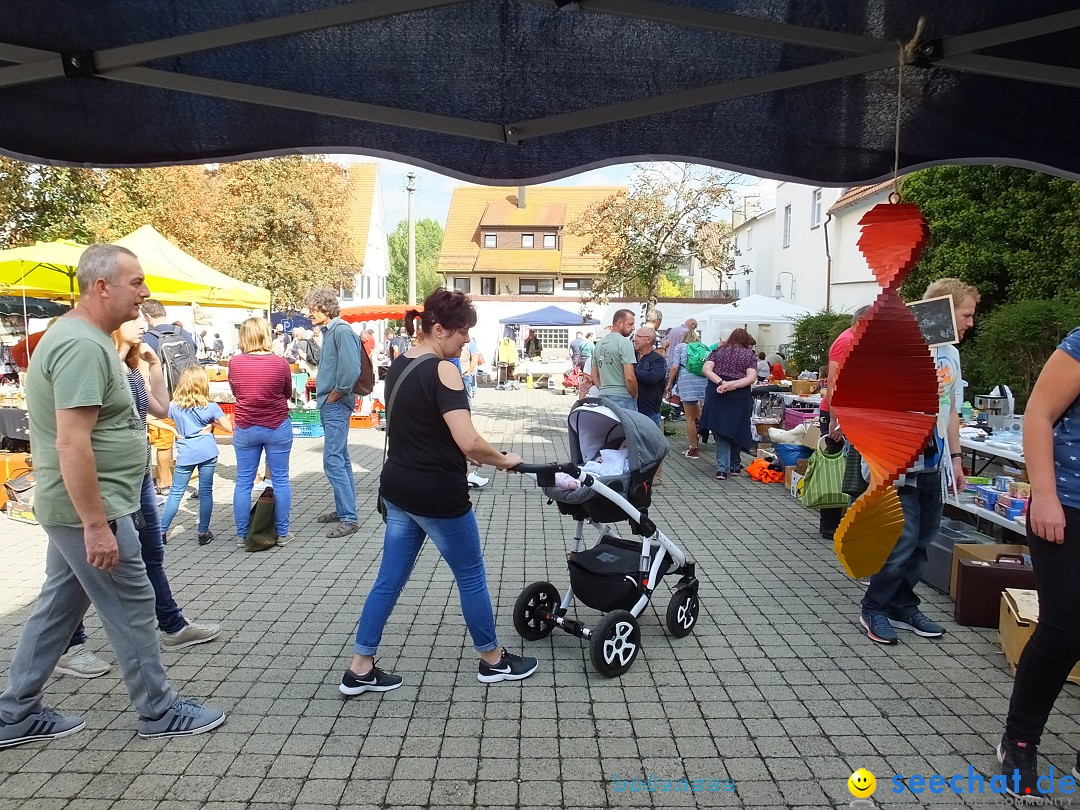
point(778, 689)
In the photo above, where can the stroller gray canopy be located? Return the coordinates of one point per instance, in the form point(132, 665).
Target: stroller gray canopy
point(596, 424)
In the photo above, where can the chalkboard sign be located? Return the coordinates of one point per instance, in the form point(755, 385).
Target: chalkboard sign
point(937, 321)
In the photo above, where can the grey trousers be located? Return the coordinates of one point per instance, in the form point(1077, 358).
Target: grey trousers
point(125, 603)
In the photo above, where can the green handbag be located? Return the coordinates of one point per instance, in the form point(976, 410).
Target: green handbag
point(823, 485)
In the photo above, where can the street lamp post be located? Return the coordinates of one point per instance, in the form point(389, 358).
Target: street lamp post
point(411, 187)
point(778, 293)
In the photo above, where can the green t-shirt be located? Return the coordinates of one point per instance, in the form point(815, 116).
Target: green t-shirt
point(587, 349)
point(612, 352)
point(76, 365)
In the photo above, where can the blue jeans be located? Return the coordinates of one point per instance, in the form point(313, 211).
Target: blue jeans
point(169, 616)
point(892, 589)
point(179, 487)
point(470, 384)
point(728, 455)
point(458, 540)
point(336, 462)
point(249, 444)
point(655, 417)
point(626, 403)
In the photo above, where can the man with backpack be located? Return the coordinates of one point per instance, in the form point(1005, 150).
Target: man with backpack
point(174, 346)
point(339, 369)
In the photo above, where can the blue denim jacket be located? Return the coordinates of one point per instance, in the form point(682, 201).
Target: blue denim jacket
point(339, 362)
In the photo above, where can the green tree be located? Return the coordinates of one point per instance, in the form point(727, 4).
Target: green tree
point(671, 213)
point(429, 236)
point(44, 203)
point(1014, 343)
point(812, 337)
point(1013, 233)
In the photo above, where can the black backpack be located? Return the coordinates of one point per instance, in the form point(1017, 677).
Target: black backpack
point(175, 354)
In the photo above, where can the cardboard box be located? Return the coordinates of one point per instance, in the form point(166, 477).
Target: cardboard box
point(795, 479)
point(801, 466)
point(812, 437)
point(979, 551)
point(1019, 617)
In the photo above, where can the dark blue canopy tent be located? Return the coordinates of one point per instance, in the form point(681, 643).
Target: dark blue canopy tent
point(32, 307)
point(524, 90)
point(548, 316)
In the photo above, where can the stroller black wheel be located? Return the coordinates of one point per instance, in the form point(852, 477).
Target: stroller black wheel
point(615, 643)
point(535, 601)
point(682, 613)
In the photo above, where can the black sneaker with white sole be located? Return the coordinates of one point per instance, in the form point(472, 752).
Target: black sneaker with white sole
point(374, 681)
point(510, 668)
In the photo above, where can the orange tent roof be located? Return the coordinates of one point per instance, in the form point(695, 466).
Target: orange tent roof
point(377, 312)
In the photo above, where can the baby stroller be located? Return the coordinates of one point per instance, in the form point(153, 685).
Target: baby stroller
point(617, 575)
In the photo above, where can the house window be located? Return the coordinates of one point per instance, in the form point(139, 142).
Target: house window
point(748, 287)
point(463, 284)
point(549, 241)
point(536, 286)
point(749, 238)
point(787, 226)
point(554, 337)
point(526, 240)
point(346, 293)
point(487, 285)
point(815, 208)
point(491, 240)
point(577, 283)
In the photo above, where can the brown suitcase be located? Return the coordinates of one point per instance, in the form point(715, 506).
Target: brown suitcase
point(979, 584)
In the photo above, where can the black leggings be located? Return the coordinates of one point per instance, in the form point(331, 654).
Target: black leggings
point(1054, 647)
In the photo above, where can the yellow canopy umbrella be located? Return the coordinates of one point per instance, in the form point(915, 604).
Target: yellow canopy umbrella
point(47, 270)
point(174, 277)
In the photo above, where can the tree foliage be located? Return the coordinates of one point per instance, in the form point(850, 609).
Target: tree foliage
point(1014, 342)
point(812, 337)
point(672, 212)
point(278, 223)
point(429, 236)
point(1013, 233)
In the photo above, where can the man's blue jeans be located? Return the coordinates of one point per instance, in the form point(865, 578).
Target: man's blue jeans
point(179, 487)
point(626, 403)
point(892, 589)
point(458, 540)
point(470, 384)
point(336, 462)
point(249, 444)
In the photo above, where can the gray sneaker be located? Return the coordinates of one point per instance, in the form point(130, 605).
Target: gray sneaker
point(185, 718)
point(79, 662)
point(47, 724)
point(192, 634)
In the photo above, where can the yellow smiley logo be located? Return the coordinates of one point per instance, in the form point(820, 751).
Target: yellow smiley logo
point(862, 784)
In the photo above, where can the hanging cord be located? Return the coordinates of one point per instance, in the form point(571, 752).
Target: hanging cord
point(906, 57)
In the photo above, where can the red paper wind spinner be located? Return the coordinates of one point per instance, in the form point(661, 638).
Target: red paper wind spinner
point(886, 397)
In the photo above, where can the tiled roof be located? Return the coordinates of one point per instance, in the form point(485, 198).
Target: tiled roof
point(359, 198)
point(496, 206)
point(857, 194)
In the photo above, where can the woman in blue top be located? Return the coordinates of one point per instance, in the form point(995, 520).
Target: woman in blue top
point(195, 416)
point(1052, 454)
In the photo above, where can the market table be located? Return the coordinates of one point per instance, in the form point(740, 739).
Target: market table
point(14, 423)
point(992, 453)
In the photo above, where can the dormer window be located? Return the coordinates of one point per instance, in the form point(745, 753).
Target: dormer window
point(491, 240)
point(549, 241)
point(526, 240)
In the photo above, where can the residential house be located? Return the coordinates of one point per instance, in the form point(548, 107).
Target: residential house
point(852, 283)
point(368, 249)
point(752, 244)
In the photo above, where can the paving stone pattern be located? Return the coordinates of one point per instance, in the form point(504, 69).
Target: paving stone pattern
point(778, 689)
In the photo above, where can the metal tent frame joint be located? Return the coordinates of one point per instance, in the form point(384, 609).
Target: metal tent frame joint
point(78, 63)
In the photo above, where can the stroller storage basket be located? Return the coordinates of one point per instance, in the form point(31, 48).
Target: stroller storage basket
point(605, 576)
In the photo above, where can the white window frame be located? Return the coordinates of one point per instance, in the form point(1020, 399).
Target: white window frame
point(750, 238)
point(531, 238)
point(554, 241)
point(493, 238)
point(815, 208)
point(787, 226)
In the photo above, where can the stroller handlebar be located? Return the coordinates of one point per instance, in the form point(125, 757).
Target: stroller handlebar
point(548, 469)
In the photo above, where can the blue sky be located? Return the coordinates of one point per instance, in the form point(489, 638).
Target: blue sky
point(432, 197)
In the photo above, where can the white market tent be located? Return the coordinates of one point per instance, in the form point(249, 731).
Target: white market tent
point(751, 312)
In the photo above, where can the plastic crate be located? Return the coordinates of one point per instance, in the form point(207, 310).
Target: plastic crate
point(365, 421)
point(228, 408)
point(307, 430)
point(305, 417)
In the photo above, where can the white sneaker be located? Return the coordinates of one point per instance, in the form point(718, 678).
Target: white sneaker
point(192, 634)
point(476, 481)
point(79, 662)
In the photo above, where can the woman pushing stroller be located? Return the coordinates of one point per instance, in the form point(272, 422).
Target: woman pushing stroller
point(426, 494)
